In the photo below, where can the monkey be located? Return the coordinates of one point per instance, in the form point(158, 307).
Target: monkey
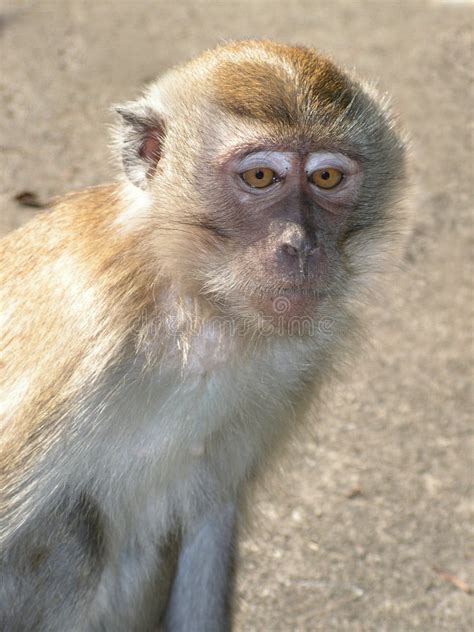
point(164, 336)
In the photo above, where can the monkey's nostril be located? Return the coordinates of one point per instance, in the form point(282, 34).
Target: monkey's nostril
point(290, 250)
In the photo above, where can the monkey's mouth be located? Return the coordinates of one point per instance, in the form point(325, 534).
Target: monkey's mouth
point(288, 303)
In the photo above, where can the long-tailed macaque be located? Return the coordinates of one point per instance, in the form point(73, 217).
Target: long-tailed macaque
point(161, 337)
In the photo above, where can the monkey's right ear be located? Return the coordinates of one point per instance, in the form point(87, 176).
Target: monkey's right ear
point(140, 139)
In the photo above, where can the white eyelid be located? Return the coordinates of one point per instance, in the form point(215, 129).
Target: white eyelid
point(336, 160)
point(278, 161)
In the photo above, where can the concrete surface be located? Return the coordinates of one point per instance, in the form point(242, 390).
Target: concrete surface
point(369, 528)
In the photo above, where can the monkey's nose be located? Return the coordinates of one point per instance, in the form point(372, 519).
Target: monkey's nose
point(295, 249)
point(297, 258)
point(302, 251)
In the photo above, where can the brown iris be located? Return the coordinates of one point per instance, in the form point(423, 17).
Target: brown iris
point(259, 177)
point(326, 178)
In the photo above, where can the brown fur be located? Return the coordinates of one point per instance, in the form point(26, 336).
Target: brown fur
point(68, 344)
point(261, 91)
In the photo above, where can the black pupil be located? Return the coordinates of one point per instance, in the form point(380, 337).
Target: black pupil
point(325, 175)
point(259, 175)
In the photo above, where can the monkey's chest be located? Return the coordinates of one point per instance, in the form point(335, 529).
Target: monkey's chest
point(179, 444)
point(192, 435)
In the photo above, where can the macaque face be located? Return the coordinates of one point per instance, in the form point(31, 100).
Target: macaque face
point(291, 208)
point(273, 181)
point(282, 214)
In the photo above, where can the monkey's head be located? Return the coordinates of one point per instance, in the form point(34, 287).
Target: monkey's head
point(267, 178)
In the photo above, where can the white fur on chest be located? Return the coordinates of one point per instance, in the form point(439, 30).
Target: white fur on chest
point(188, 433)
point(177, 440)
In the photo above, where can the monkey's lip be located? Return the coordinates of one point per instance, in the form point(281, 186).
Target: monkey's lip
point(297, 290)
point(289, 302)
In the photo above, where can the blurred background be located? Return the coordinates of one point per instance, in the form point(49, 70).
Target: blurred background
point(368, 526)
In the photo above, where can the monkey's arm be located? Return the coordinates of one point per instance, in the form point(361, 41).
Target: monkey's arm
point(201, 593)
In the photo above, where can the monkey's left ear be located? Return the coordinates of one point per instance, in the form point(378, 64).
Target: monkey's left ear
point(140, 140)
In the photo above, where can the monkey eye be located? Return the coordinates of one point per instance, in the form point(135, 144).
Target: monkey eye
point(259, 178)
point(326, 178)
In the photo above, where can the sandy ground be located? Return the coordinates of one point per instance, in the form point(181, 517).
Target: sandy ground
point(368, 527)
